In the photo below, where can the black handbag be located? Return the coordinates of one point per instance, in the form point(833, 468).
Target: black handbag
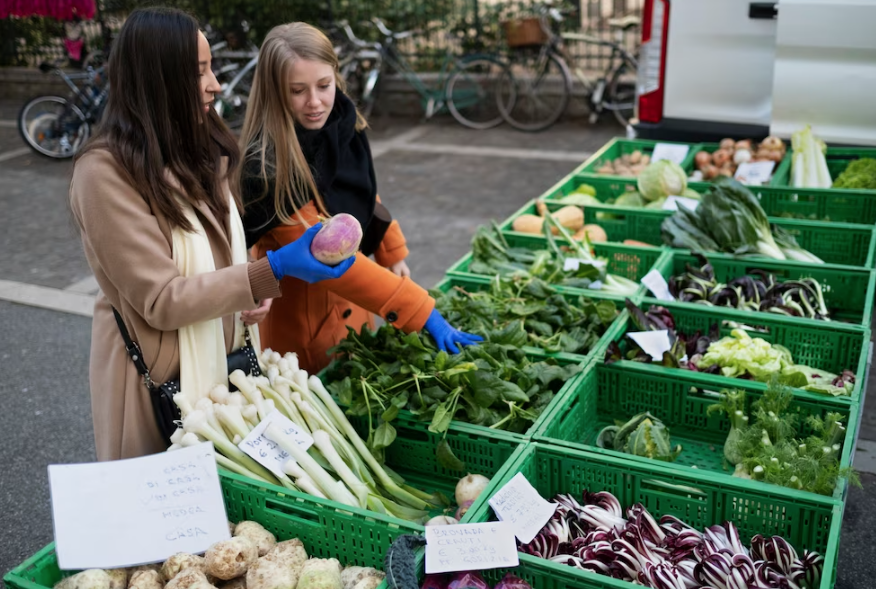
point(167, 414)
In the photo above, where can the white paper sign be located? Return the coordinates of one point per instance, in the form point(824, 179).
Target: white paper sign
point(572, 264)
point(669, 151)
point(267, 452)
point(672, 203)
point(467, 547)
point(519, 504)
point(653, 343)
point(137, 511)
point(657, 285)
point(755, 173)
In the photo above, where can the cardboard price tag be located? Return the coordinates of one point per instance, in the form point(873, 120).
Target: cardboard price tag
point(669, 151)
point(519, 504)
point(657, 285)
point(470, 547)
point(267, 452)
point(169, 502)
point(755, 173)
point(672, 203)
point(654, 343)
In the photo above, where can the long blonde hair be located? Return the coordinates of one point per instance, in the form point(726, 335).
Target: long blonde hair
point(269, 127)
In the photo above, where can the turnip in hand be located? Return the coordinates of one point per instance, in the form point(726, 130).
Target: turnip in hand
point(338, 239)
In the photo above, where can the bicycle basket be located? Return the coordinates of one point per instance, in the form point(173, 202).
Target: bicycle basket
point(524, 32)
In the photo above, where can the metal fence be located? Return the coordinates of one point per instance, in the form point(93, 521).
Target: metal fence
point(464, 23)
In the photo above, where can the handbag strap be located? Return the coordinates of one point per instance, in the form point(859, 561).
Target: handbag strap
point(136, 355)
point(134, 352)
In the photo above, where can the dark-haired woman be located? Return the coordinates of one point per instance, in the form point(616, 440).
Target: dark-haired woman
point(162, 232)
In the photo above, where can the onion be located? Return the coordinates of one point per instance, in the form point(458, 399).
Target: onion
point(728, 144)
point(702, 159)
point(338, 239)
point(442, 520)
point(721, 157)
point(468, 488)
point(741, 156)
point(772, 143)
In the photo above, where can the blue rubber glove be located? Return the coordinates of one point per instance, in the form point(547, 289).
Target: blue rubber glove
point(295, 260)
point(446, 337)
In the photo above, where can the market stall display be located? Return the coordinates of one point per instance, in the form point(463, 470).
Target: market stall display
point(700, 437)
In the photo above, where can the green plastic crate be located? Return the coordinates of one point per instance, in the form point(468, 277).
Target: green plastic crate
point(610, 393)
point(325, 530)
point(701, 499)
point(848, 292)
point(618, 147)
point(825, 345)
point(623, 260)
point(476, 283)
point(838, 159)
point(843, 244)
point(779, 170)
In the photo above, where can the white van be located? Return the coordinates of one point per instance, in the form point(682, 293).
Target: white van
point(732, 68)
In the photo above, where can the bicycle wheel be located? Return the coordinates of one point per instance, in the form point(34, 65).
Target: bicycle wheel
point(53, 126)
point(231, 104)
point(472, 92)
point(534, 91)
point(620, 96)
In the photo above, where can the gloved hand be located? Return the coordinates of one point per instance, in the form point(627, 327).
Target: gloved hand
point(294, 259)
point(446, 337)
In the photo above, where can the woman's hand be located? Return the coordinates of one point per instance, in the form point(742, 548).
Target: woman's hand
point(257, 314)
point(401, 269)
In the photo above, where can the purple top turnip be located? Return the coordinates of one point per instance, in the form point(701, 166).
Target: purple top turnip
point(338, 239)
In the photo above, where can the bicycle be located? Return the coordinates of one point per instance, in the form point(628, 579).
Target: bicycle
point(539, 82)
point(58, 127)
point(465, 86)
point(234, 67)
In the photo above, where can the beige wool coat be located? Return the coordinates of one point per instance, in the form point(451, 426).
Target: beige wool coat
point(129, 249)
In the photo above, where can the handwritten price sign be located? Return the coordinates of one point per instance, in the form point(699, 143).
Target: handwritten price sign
point(268, 453)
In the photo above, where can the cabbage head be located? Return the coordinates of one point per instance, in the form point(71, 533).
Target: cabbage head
point(662, 179)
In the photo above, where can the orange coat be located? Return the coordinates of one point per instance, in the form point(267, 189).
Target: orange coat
point(309, 319)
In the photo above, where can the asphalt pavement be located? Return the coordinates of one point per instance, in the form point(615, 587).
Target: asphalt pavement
point(441, 181)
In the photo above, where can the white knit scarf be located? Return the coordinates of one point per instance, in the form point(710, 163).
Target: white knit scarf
point(202, 358)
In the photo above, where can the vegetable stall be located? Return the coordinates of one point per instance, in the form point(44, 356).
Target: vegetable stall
point(674, 357)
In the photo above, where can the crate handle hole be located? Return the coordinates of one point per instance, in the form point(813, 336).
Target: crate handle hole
point(672, 488)
point(296, 513)
point(753, 328)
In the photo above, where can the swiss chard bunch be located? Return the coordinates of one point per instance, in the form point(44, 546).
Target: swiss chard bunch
point(494, 384)
point(730, 219)
point(766, 444)
point(522, 310)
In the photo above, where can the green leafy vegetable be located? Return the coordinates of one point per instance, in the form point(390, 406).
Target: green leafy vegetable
point(493, 384)
point(491, 255)
point(643, 435)
point(661, 179)
point(522, 309)
point(860, 174)
point(768, 447)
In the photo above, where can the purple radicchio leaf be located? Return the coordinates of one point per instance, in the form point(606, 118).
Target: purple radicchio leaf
point(510, 581)
point(806, 572)
point(467, 580)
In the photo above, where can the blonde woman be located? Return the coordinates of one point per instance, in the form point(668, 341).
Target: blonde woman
point(306, 155)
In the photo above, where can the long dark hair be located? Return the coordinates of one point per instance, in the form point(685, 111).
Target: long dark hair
point(154, 120)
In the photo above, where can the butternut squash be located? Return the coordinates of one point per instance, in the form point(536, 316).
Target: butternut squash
point(528, 224)
point(594, 233)
point(570, 217)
